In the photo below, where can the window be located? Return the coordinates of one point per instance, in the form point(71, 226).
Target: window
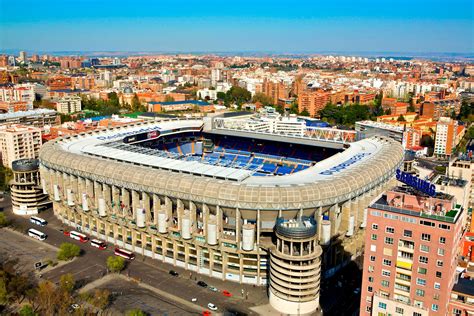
point(367, 309)
point(439, 263)
point(372, 258)
point(374, 237)
point(438, 274)
point(399, 310)
point(424, 248)
point(437, 286)
point(417, 314)
point(420, 281)
point(440, 252)
point(407, 233)
point(434, 307)
point(373, 248)
point(389, 240)
point(423, 259)
point(420, 292)
point(442, 240)
point(375, 226)
point(385, 283)
point(386, 273)
point(390, 230)
point(457, 312)
point(369, 289)
point(422, 270)
point(371, 279)
point(384, 294)
point(444, 226)
point(370, 269)
point(382, 305)
point(425, 237)
point(387, 262)
point(436, 296)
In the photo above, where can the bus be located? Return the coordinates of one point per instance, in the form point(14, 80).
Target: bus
point(38, 221)
point(36, 234)
point(78, 236)
point(124, 253)
point(98, 244)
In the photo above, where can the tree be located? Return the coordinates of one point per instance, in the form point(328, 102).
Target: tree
point(221, 95)
point(67, 282)
point(169, 98)
point(3, 220)
point(100, 298)
point(262, 98)
point(294, 107)
point(401, 118)
point(411, 108)
point(136, 105)
point(67, 251)
point(238, 95)
point(304, 112)
point(135, 312)
point(47, 297)
point(27, 310)
point(115, 264)
point(388, 112)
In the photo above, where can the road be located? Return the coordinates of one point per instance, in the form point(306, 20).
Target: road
point(91, 266)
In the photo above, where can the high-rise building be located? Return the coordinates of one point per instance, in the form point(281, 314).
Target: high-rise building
point(445, 139)
point(18, 142)
point(3, 60)
point(411, 249)
point(312, 101)
point(23, 57)
point(68, 104)
point(463, 168)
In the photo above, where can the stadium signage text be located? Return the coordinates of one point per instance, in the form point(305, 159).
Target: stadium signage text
point(344, 165)
point(123, 134)
point(415, 182)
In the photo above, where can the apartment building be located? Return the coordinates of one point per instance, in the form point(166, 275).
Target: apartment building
point(18, 142)
point(411, 249)
point(69, 104)
point(37, 118)
point(445, 139)
point(313, 101)
point(440, 108)
point(463, 168)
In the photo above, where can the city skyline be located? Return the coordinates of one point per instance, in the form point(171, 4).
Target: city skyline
point(274, 27)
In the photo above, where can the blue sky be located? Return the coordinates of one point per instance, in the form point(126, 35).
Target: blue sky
point(242, 25)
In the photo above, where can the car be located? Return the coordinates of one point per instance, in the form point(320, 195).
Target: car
point(75, 306)
point(202, 283)
point(66, 233)
point(206, 313)
point(213, 289)
point(194, 300)
point(212, 307)
point(174, 273)
point(227, 293)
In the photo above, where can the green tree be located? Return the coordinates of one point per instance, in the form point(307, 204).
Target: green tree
point(6, 174)
point(294, 107)
point(238, 95)
point(100, 298)
point(67, 251)
point(411, 108)
point(67, 282)
point(388, 112)
point(115, 264)
point(169, 98)
point(304, 112)
point(221, 95)
point(262, 98)
point(3, 220)
point(27, 310)
point(136, 312)
point(113, 99)
point(136, 105)
point(401, 118)
point(3, 291)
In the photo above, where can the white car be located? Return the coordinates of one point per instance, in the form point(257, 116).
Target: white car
point(213, 289)
point(194, 299)
point(212, 307)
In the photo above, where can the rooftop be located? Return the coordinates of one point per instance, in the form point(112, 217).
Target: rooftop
point(195, 102)
point(444, 180)
point(464, 286)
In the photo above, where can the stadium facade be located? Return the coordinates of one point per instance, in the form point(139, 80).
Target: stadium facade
point(247, 207)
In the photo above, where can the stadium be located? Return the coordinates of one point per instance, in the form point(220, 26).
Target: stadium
point(250, 207)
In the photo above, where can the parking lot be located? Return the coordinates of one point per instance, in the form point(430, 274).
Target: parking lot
point(128, 295)
point(17, 246)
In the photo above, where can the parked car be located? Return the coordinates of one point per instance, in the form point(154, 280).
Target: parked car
point(194, 300)
point(212, 307)
point(202, 283)
point(226, 293)
point(174, 273)
point(213, 289)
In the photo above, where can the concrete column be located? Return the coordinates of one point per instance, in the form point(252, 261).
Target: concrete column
point(205, 215)
point(107, 197)
point(135, 204)
point(66, 185)
point(90, 193)
point(193, 211)
point(146, 206)
point(156, 208)
point(115, 199)
point(345, 214)
point(219, 223)
point(126, 202)
point(179, 212)
point(258, 228)
point(319, 218)
point(241, 267)
point(97, 193)
point(169, 207)
point(237, 227)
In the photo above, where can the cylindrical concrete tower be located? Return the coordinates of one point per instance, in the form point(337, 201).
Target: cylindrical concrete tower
point(295, 267)
point(26, 190)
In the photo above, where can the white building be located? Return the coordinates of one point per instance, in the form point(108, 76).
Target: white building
point(19, 141)
point(18, 93)
point(23, 57)
point(445, 139)
point(69, 104)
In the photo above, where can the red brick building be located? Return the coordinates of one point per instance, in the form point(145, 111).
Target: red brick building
point(411, 248)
